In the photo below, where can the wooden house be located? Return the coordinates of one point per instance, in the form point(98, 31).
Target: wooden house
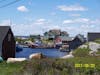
point(63, 40)
point(7, 42)
point(77, 41)
point(92, 36)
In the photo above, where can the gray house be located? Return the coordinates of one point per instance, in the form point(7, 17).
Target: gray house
point(7, 42)
point(77, 41)
point(93, 36)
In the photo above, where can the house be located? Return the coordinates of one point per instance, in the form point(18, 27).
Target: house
point(55, 32)
point(64, 33)
point(77, 41)
point(35, 38)
point(7, 42)
point(66, 40)
point(93, 36)
point(62, 40)
point(49, 35)
point(58, 40)
point(52, 34)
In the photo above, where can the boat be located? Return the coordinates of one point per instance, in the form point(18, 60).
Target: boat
point(23, 46)
point(18, 48)
point(64, 48)
point(58, 45)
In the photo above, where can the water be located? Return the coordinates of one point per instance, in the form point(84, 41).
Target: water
point(54, 53)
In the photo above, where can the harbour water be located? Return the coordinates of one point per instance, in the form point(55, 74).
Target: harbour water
point(53, 53)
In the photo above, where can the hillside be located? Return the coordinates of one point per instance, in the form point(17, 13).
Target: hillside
point(81, 64)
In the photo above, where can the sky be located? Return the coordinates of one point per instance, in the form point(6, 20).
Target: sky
point(29, 17)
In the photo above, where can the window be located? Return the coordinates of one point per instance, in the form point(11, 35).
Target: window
point(9, 37)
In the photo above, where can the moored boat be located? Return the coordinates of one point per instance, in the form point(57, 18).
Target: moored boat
point(18, 48)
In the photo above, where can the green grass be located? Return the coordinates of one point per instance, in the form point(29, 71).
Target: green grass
point(51, 66)
point(81, 52)
point(97, 41)
point(11, 68)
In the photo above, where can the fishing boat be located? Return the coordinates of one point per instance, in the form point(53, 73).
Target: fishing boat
point(18, 48)
point(64, 48)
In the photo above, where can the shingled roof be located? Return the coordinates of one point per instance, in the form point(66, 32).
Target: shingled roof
point(81, 37)
point(3, 32)
point(66, 38)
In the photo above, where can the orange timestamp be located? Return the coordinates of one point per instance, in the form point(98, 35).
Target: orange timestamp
point(84, 65)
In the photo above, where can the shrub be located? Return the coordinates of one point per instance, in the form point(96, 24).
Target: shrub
point(79, 52)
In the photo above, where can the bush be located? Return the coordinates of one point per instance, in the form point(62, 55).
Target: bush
point(81, 52)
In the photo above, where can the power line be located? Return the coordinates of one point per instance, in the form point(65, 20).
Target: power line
point(9, 4)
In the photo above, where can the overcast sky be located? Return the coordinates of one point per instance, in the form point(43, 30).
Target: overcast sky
point(37, 16)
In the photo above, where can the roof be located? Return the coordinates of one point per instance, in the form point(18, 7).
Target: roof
point(81, 37)
point(66, 38)
point(3, 32)
point(93, 32)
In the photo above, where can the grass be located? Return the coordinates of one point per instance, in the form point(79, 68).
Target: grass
point(97, 41)
point(51, 66)
point(81, 52)
point(8, 69)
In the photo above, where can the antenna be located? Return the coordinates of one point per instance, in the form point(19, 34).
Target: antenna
point(10, 23)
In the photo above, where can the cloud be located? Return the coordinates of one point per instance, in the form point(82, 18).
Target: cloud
point(80, 29)
point(5, 22)
point(39, 26)
point(82, 21)
point(71, 8)
point(40, 21)
point(97, 21)
point(81, 25)
point(78, 20)
point(67, 21)
point(53, 13)
point(34, 27)
point(22, 9)
point(24, 29)
point(88, 28)
point(74, 15)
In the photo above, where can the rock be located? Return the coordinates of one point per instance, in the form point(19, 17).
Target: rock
point(70, 55)
point(94, 46)
point(36, 56)
point(13, 60)
point(92, 53)
point(83, 46)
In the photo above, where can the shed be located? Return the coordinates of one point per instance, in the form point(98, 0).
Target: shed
point(92, 36)
point(7, 42)
point(77, 41)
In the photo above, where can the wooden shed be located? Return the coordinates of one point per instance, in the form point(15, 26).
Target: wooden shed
point(77, 41)
point(7, 42)
point(92, 36)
